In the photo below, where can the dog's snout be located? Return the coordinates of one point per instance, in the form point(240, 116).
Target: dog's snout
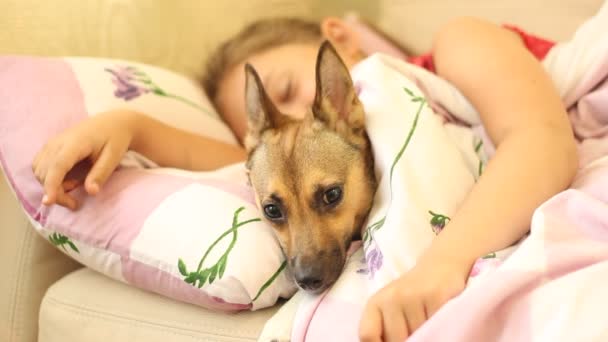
point(309, 282)
point(309, 279)
point(308, 273)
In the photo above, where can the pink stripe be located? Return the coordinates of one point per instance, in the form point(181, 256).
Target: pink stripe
point(593, 180)
point(34, 93)
point(500, 311)
point(343, 325)
point(307, 319)
point(304, 317)
point(241, 191)
point(113, 219)
point(155, 280)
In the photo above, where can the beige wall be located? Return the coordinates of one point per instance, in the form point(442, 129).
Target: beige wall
point(414, 21)
point(179, 34)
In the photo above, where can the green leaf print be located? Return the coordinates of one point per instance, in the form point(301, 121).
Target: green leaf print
point(478, 146)
point(489, 256)
point(60, 240)
point(216, 271)
point(438, 221)
point(409, 92)
point(270, 280)
point(477, 151)
point(222, 265)
point(159, 92)
point(422, 101)
point(181, 265)
point(212, 274)
point(72, 246)
point(202, 275)
point(191, 278)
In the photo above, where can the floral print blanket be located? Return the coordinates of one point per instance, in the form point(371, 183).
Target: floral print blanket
point(430, 149)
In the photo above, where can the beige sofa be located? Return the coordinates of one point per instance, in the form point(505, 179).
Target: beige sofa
point(47, 297)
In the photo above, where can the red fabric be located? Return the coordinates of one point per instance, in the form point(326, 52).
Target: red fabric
point(539, 47)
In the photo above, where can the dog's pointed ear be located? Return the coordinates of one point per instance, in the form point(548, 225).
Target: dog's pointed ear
point(336, 102)
point(261, 112)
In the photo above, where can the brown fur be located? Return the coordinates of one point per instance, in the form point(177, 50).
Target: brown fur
point(294, 163)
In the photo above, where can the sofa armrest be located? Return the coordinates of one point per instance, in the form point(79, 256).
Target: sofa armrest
point(29, 266)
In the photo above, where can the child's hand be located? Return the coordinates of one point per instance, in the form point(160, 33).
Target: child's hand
point(398, 309)
point(101, 140)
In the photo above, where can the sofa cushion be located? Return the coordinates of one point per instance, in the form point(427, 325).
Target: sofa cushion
point(29, 266)
point(87, 306)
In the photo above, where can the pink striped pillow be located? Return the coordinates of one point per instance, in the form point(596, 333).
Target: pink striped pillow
point(194, 237)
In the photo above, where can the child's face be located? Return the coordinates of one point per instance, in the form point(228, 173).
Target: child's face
point(288, 74)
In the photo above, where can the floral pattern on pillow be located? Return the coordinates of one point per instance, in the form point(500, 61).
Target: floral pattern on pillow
point(132, 82)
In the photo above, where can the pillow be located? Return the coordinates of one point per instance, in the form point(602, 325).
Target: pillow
point(373, 40)
point(192, 236)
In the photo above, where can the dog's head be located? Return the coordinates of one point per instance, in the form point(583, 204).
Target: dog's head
point(313, 178)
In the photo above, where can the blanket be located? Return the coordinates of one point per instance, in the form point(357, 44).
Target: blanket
point(430, 148)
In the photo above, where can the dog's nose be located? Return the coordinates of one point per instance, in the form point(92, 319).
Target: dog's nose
point(309, 282)
point(308, 275)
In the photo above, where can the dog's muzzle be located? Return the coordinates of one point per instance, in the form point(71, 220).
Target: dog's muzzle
point(317, 272)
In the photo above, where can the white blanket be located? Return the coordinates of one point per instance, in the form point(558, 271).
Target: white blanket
point(426, 164)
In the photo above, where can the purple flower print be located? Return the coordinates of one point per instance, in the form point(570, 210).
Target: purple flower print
point(131, 83)
point(374, 260)
point(438, 221)
point(127, 73)
point(364, 269)
point(125, 79)
point(127, 91)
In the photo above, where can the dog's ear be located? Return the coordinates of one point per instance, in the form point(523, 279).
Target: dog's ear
point(262, 113)
point(336, 102)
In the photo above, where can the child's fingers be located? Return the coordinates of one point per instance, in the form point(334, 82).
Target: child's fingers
point(71, 184)
point(61, 198)
point(394, 323)
point(370, 327)
point(39, 165)
point(66, 200)
point(57, 170)
point(103, 167)
point(415, 316)
point(52, 182)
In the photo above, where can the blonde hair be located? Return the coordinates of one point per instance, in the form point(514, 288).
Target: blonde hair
point(257, 37)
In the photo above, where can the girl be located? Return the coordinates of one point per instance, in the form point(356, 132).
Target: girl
point(494, 67)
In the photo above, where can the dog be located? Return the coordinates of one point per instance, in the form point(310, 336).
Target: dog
point(313, 178)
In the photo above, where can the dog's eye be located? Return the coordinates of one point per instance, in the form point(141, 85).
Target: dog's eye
point(332, 196)
point(272, 212)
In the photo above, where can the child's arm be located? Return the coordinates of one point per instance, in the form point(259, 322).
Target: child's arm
point(535, 159)
point(103, 140)
point(171, 147)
